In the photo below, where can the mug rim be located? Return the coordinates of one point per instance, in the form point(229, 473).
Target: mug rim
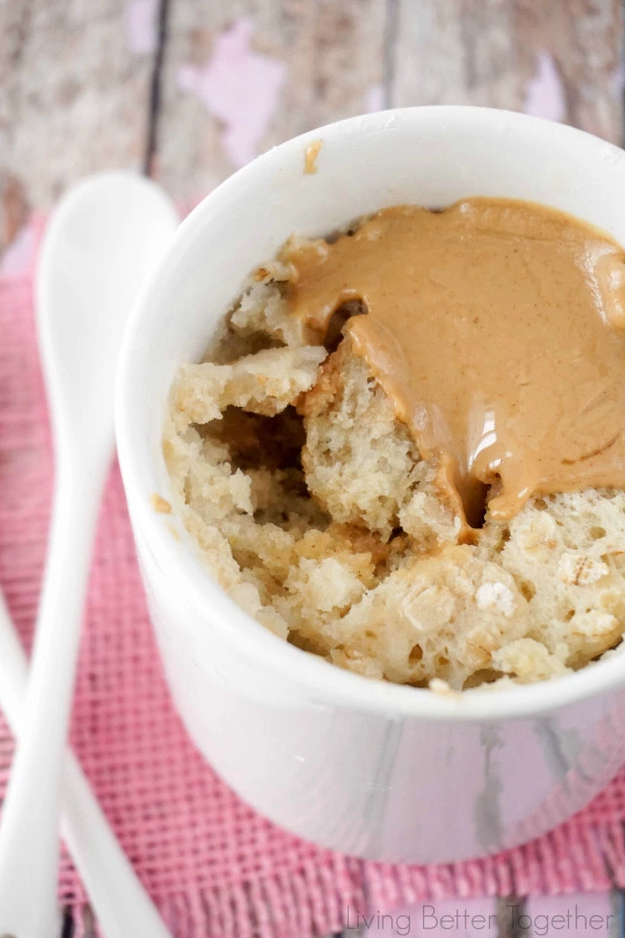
point(325, 682)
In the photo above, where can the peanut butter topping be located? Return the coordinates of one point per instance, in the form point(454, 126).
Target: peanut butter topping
point(497, 330)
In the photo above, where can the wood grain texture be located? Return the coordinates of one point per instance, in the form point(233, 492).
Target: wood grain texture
point(74, 96)
point(456, 52)
point(585, 38)
point(332, 54)
point(487, 53)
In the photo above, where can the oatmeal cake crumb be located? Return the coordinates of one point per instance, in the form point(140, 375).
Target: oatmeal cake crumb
point(315, 511)
point(160, 504)
point(310, 160)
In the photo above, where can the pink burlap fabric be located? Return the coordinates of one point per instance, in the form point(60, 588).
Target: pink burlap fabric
point(214, 867)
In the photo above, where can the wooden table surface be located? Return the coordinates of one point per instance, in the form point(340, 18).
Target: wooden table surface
point(190, 90)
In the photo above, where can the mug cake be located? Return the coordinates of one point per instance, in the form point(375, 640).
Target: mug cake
point(405, 448)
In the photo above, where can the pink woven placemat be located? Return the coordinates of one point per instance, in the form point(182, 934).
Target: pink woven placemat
point(214, 867)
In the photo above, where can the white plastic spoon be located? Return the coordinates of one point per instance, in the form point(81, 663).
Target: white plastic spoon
point(103, 238)
point(123, 908)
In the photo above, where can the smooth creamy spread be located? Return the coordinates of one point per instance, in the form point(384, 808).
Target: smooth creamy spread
point(497, 329)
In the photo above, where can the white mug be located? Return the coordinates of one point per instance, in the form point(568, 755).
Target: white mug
point(364, 767)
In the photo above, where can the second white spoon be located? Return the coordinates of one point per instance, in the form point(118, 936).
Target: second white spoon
point(122, 906)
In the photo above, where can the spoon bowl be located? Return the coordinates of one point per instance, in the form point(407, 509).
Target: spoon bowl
point(101, 241)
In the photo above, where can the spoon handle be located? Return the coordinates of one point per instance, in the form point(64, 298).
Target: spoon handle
point(29, 832)
point(121, 904)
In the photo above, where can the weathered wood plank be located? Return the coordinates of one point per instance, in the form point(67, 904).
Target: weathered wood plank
point(559, 59)
point(455, 52)
point(241, 76)
point(237, 78)
point(74, 78)
point(585, 39)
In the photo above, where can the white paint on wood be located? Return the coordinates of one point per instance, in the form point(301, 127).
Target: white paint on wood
point(464, 52)
point(240, 89)
point(141, 25)
point(545, 93)
point(331, 52)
